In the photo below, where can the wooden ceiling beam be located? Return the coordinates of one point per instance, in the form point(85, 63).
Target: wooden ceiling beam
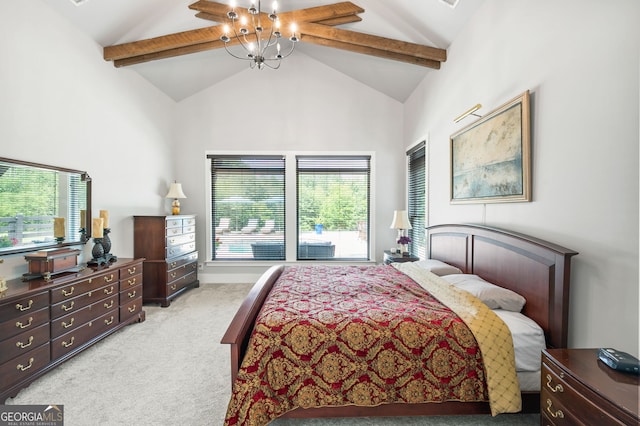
point(185, 39)
point(429, 63)
point(346, 38)
point(315, 26)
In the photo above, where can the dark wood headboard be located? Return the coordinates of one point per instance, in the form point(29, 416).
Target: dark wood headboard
point(538, 270)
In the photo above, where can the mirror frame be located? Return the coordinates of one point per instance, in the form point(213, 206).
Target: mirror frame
point(84, 176)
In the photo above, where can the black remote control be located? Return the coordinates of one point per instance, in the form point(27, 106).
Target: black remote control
point(619, 360)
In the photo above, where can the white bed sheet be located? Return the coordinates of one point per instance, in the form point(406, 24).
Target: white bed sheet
point(528, 339)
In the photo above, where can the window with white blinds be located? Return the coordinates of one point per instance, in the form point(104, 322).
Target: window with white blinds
point(333, 207)
point(416, 197)
point(248, 207)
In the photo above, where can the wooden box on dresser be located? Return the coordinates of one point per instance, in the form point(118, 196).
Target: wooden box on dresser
point(579, 389)
point(44, 323)
point(168, 244)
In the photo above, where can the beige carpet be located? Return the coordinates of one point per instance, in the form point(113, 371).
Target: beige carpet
point(172, 370)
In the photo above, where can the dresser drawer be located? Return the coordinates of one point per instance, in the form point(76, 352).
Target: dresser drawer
point(130, 271)
point(24, 342)
point(25, 322)
point(183, 260)
point(81, 335)
point(565, 401)
point(130, 282)
point(189, 221)
point(72, 290)
point(180, 250)
point(132, 293)
point(22, 306)
point(131, 308)
point(21, 367)
point(181, 282)
point(72, 305)
point(180, 240)
point(74, 320)
point(178, 273)
point(173, 223)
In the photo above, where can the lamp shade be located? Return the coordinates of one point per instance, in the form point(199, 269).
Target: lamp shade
point(175, 191)
point(400, 220)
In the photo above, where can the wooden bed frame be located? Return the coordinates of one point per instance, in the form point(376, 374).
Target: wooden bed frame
point(536, 269)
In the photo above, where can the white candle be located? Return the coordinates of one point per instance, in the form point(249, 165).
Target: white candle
point(96, 229)
point(58, 227)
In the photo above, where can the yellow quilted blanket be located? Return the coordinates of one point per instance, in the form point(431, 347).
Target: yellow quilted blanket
point(491, 333)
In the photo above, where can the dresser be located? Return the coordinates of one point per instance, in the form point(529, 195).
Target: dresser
point(168, 244)
point(579, 389)
point(44, 323)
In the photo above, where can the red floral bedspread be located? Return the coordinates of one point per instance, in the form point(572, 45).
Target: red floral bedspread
point(353, 335)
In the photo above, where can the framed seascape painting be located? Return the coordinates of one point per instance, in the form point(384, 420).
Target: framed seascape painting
point(490, 158)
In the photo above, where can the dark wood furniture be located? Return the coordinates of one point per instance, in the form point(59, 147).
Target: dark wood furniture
point(44, 323)
point(578, 388)
point(538, 270)
point(168, 244)
point(397, 257)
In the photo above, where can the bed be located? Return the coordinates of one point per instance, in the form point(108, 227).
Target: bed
point(537, 270)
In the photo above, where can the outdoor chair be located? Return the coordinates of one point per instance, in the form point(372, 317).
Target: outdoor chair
point(268, 227)
point(223, 226)
point(252, 225)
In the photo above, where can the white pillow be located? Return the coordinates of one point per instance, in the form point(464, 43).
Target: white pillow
point(495, 297)
point(437, 267)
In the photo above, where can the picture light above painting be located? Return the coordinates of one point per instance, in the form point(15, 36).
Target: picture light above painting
point(490, 158)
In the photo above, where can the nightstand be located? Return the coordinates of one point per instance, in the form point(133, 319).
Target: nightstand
point(578, 388)
point(397, 257)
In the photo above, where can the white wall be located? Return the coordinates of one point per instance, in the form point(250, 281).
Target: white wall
point(580, 61)
point(304, 106)
point(63, 105)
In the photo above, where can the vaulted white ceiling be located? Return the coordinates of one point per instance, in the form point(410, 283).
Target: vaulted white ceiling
point(428, 22)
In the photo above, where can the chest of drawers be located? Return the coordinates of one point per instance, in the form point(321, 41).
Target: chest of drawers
point(168, 244)
point(579, 389)
point(44, 323)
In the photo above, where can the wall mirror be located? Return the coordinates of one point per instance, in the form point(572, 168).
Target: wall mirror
point(42, 206)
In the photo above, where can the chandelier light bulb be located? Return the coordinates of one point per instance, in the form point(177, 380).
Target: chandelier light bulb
point(232, 4)
point(274, 6)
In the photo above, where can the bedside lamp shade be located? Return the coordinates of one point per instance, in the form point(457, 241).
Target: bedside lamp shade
point(175, 192)
point(400, 220)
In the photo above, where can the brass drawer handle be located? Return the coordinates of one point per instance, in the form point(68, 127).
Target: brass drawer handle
point(131, 308)
point(64, 292)
point(131, 282)
point(67, 309)
point(556, 388)
point(108, 306)
point(65, 325)
point(23, 367)
point(25, 345)
point(108, 291)
point(109, 321)
point(108, 279)
point(20, 307)
point(69, 343)
point(131, 270)
point(173, 286)
point(173, 264)
point(19, 324)
point(555, 414)
point(173, 275)
point(132, 294)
